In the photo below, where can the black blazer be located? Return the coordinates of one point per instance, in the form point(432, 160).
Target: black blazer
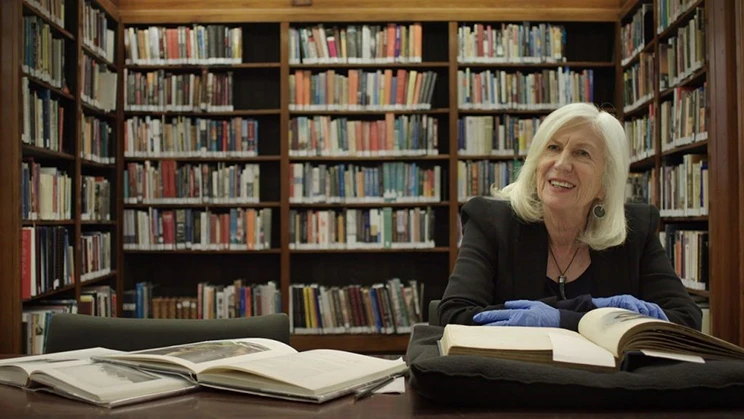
point(502, 258)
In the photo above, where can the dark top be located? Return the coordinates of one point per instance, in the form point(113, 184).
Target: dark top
point(502, 258)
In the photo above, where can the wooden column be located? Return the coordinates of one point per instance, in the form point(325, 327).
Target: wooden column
point(723, 168)
point(739, 37)
point(10, 191)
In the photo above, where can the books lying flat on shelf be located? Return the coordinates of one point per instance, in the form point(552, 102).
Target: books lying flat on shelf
point(608, 339)
point(265, 367)
point(75, 375)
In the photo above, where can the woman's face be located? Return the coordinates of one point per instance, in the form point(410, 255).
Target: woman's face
point(569, 171)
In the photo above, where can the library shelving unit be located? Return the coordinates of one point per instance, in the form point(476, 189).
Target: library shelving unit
point(359, 151)
point(663, 73)
point(201, 180)
point(62, 154)
point(309, 143)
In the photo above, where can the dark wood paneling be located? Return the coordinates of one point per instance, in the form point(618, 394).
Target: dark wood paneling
point(723, 170)
point(110, 7)
point(739, 28)
point(10, 191)
point(187, 11)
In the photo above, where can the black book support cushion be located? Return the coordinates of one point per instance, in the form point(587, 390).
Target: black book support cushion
point(490, 382)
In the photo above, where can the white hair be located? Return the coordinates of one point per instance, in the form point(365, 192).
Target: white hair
point(600, 233)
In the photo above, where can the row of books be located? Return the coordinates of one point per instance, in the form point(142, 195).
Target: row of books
point(46, 192)
point(496, 135)
point(640, 102)
point(43, 117)
point(539, 90)
point(96, 33)
point(667, 12)
point(636, 33)
point(35, 319)
point(183, 45)
point(684, 54)
point(169, 181)
point(94, 301)
point(478, 178)
point(98, 84)
point(640, 133)
point(362, 43)
point(97, 140)
point(373, 228)
point(161, 91)
point(96, 248)
point(47, 259)
point(183, 136)
point(689, 253)
point(95, 198)
point(684, 187)
point(403, 135)
point(683, 119)
point(240, 298)
point(43, 52)
point(98, 300)
point(386, 89)
point(385, 182)
point(638, 79)
point(511, 43)
point(53, 10)
point(195, 229)
point(388, 307)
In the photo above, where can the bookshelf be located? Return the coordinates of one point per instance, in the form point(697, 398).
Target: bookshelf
point(664, 68)
point(666, 59)
point(349, 163)
point(263, 80)
point(59, 220)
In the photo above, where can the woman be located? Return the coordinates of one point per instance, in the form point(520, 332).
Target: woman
point(561, 241)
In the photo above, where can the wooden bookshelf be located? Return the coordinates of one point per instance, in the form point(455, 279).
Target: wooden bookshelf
point(262, 79)
point(58, 140)
point(714, 147)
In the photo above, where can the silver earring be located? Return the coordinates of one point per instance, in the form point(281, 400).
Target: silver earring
point(598, 211)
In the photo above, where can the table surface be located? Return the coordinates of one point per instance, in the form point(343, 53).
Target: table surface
point(19, 403)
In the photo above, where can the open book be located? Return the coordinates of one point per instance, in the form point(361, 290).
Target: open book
point(265, 367)
point(606, 338)
point(75, 375)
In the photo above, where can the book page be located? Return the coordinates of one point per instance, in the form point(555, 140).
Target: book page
point(318, 371)
point(606, 326)
point(513, 338)
point(106, 384)
point(579, 350)
point(196, 357)
point(15, 371)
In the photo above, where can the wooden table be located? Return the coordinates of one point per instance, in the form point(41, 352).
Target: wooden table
point(18, 403)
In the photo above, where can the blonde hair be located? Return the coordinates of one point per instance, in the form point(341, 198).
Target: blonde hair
point(600, 233)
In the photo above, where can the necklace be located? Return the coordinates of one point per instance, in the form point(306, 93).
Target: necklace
point(562, 277)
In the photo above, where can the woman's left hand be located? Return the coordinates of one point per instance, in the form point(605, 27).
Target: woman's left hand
point(520, 313)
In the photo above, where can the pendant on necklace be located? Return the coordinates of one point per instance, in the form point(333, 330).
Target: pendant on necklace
point(561, 285)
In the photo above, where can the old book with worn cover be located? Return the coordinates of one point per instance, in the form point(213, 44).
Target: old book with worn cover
point(607, 339)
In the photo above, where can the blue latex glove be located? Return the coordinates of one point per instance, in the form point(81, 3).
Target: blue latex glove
point(631, 303)
point(521, 313)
